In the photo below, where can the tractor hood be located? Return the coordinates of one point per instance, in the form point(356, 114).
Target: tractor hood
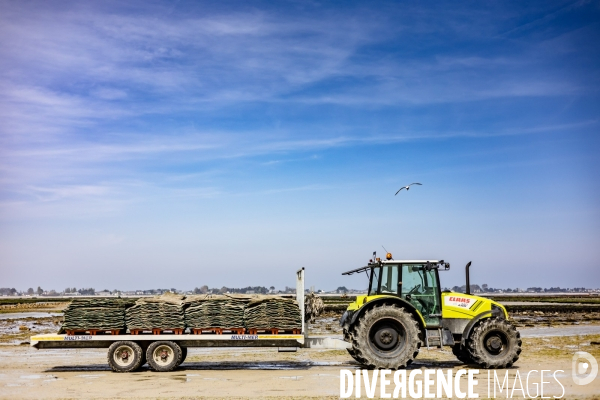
point(460, 305)
point(454, 305)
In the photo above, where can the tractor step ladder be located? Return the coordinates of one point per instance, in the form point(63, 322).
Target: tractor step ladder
point(433, 338)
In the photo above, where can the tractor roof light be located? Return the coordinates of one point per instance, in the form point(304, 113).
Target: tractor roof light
point(388, 256)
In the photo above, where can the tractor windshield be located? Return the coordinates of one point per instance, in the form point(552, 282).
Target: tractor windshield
point(374, 281)
point(384, 280)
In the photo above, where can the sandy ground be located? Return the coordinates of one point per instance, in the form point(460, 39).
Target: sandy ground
point(26, 373)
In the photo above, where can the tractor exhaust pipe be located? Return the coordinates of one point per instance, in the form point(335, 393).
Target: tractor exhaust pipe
point(468, 278)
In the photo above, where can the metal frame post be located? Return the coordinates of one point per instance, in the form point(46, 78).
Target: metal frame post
point(300, 294)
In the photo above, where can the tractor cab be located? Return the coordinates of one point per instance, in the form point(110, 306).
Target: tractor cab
point(414, 281)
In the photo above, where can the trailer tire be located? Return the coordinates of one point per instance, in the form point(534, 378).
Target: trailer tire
point(144, 360)
point(386, 337)
point(125, 356)
point(163, 356)
point(184, 351)
point(494, 343)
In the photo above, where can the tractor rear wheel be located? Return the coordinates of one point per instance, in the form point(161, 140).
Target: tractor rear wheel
point(385, 337)
point(494, 343)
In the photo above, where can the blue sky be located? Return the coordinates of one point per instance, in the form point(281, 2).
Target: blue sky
point(160, 144)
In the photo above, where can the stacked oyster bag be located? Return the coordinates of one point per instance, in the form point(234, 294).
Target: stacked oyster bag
point(160, 312)
point(313, 307)
point(95, 314)
point(266, 312)
point(215, 311)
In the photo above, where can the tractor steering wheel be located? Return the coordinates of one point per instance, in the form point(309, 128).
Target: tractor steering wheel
point(414, 289)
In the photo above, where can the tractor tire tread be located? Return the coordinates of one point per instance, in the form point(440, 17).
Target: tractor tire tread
point(462, 354)
point(478, 354)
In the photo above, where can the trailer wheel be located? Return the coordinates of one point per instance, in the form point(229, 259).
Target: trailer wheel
point(386, 337)
point(494, 343)
point(163, 356)
point(144, 360)
point(184, 352)
point(125, 356)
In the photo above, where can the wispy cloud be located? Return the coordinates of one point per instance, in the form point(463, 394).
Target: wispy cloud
point(93, 98)
point(164, 64)
point(58, 193)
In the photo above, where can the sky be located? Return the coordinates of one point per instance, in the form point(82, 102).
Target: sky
point(158, 144)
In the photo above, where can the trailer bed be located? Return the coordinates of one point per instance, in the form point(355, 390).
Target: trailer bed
point(187, 340)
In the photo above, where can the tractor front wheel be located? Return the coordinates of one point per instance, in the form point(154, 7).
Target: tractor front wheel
point(494, 343)
point(462, 354)
point(385, 337)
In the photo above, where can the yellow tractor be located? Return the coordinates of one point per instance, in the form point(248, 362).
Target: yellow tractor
point(405, 309)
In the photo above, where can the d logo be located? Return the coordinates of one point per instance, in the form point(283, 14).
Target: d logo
point(584, 368)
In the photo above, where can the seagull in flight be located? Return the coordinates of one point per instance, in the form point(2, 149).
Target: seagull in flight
point(407, 187)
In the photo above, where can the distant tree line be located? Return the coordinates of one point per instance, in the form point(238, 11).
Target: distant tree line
point(82, 291)
point(486, 289)
point(41, 292)
point(246, 290)
point(264, 290)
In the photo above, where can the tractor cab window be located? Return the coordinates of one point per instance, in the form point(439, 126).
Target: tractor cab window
point(420, 288)
point(389, 280)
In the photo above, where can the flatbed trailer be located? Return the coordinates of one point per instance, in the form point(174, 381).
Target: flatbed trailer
point(184, 340)
point(164, 352)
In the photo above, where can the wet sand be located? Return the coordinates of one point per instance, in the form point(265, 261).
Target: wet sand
point(26, 373)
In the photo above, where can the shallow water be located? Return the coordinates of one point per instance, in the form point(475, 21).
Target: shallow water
point(561, 331)
point(29, 315)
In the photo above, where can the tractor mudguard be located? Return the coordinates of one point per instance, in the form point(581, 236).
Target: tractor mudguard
point(494, 312)
point(352, 317)
point(347, 314)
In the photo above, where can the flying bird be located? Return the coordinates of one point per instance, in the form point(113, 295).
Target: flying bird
point(407, 187)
